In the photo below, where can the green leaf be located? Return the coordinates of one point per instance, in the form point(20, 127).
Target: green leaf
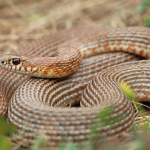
point(143, 6)
point(146, 20)
point(127, 90)
point(131, 95)
point(5, 127)
point(103, 115)
point(5, 143)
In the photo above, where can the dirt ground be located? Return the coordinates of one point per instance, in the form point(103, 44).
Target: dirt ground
point(22, 21)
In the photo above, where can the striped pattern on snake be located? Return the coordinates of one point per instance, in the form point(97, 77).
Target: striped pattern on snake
point(35, 99)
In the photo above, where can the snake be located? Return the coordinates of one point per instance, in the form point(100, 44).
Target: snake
point(43, 82)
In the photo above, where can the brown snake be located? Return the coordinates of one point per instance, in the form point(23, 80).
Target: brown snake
point(30, 99)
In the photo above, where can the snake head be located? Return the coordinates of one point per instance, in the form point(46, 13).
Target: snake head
point(26, 65)
point(12, 63)
point(43, 67)
point(8, 61)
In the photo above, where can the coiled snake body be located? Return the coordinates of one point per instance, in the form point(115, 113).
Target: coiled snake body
point(32, 100)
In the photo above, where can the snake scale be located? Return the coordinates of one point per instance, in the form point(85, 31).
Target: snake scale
point(45, 105)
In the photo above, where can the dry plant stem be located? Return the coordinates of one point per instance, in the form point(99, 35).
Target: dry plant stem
point(17, 10)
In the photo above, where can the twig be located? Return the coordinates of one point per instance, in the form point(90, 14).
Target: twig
point(17, 10)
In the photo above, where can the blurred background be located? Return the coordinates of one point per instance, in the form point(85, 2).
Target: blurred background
point(22, 21)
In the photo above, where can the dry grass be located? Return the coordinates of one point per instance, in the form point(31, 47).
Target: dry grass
point(22, 21)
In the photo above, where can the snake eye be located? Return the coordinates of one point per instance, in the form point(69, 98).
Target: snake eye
point(16, 61)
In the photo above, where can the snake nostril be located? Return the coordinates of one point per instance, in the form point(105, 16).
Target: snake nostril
point(16, 61)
